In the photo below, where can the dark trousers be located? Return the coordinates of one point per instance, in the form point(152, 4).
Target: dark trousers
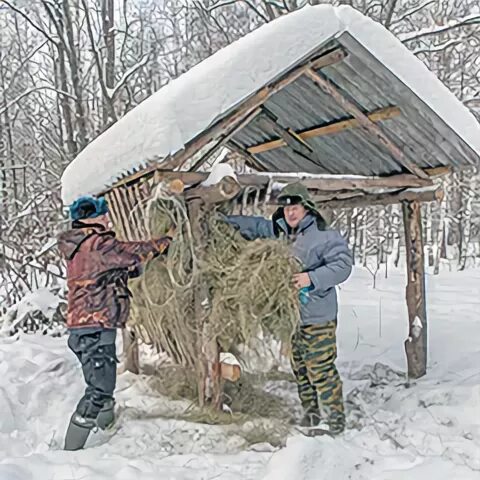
point(96, 352)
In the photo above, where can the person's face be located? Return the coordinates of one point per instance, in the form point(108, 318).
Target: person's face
point(294, 214)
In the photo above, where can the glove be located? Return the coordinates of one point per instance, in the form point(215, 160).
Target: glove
point(162, 244)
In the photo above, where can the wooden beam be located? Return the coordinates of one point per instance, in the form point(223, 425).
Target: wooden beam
point(252, 161)
point(390, 198)
point(223, 140)
point(436, 172)
point(207, 366)
point(329, 183)
point(237, 115)
point(322, 130)
point(416, 343)
point(294, 142)
point(226, 189)
point(364, 122)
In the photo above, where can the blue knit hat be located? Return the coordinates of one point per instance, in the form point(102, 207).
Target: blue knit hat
point(88, 207)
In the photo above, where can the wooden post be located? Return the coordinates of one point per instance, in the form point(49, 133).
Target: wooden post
point(130, 350)
point(199, 201)
point(208, 354)
point(416, 343)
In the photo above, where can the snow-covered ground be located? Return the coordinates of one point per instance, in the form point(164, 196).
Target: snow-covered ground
point(430, 429)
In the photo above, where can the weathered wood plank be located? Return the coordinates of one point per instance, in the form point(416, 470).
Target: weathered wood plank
point(332, 128)
point(382, 83)
point(223, 140)
point(296, 143)
point(390, 198)
point(328, 183)
point(364, 122)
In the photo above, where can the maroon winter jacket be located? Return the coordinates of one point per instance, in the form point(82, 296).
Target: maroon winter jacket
point(98, 268)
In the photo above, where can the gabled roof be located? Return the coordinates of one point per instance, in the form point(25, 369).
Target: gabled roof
point(427, 123)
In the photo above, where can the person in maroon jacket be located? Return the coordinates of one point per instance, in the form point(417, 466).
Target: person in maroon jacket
point(98, 269)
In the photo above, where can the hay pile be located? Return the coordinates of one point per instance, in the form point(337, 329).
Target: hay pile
point(248, 282)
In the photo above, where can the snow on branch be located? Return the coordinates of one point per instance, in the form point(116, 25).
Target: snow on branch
point(426, 32)
point(33, 90)
point(30, 21)
point(439, 48)
point(412, 11)
point(126, 75)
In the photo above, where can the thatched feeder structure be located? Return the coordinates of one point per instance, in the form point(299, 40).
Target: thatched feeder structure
point(323, 95)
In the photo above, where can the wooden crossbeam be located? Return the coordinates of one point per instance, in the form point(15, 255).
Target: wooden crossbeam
point(327, 183)
point(364, 121)
point(389, 198)
point(224, 139)
point(250, 159)
point(320, 131)
point(294, 142)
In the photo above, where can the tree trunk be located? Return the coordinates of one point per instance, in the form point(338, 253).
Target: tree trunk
point(108, 20)
point(440, 238)
point(75, 77)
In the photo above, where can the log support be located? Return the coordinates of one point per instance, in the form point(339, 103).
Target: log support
point(130, 352)
point(199, 201)
point(416, 343)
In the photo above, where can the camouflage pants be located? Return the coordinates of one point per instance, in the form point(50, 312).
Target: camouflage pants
point(314, 350)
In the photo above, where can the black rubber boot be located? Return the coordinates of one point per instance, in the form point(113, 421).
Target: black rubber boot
point(78, 432)
point(106, 417)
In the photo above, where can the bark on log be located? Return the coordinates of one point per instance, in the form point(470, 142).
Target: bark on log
point(433, 195)
point(207, 350)
point(416, 343)
point(226, 189)
point(130, 351)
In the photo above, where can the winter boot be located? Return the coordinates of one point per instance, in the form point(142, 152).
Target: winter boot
point(336, 425)
point(106, 417)
point(78, 432)
point(311, 418)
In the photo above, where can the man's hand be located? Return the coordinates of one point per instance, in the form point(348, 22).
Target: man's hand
point(301, 280)
point(163, 244)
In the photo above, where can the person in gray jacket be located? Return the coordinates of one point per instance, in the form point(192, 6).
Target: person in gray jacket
point(327, 263)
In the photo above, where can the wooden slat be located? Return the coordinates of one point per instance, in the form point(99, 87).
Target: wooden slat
point(320, 131)
point(371, 127)
point(122, 208)
point(115, 214)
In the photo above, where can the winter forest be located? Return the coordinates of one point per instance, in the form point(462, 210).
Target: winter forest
point(70, 69)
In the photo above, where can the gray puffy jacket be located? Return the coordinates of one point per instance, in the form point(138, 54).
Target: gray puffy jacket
point(325, 256)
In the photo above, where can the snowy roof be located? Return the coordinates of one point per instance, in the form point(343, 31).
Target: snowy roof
point(178, 113)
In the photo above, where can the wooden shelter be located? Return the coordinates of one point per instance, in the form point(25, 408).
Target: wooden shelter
point(353, 115)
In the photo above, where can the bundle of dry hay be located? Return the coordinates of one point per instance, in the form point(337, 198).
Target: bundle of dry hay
point(249, 285)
